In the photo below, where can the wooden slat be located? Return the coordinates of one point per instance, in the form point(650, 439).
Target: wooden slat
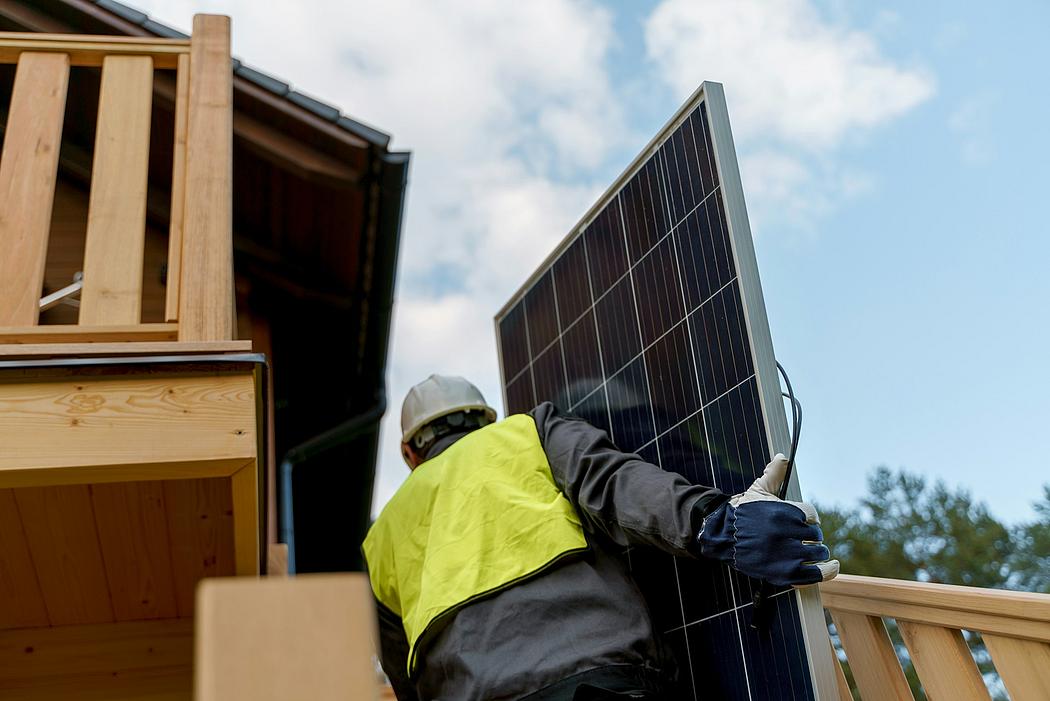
point(63, 350)
point(116, 230)
point(89, 50)
point(245, 492)
point(944, 663)
point(1023, 665)
point(28, 169)
point(60, 530)
point(73, 333)
point(277, 560)
point(200, 529)
point(102, 662)
point(975, 619)
point(306, 637)
point(178, 189)
point(840, 678)
point(206, 294)
point(21, 603)
point(133, 533)
point(872, 658)
point(132, 423)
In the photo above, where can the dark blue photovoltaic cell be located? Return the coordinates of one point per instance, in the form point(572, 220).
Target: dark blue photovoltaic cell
point(639, 328)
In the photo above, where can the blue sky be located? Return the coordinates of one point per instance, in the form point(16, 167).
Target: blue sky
point(894, 158)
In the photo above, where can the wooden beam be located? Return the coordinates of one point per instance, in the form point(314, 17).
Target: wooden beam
point(293, 155)
point(59, 524)
point(200, 525)
point(130, 424)
point(309, 637)
point(74, 333)
point(206, 294)
point(21, 603)
point(59, 350)
point(28, 169)
point(944, 663)
point(133, 534)
point(116, 229)
point(140, 660)
point(245, 493)
point(178, 188)
point(91, 50)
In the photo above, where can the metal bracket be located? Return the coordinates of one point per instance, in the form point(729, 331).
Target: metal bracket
point(65, 295)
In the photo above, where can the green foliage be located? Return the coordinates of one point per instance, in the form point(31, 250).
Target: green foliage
point(908, 529)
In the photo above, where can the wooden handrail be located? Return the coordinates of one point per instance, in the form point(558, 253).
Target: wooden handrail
point(91, 50)
point(1015, 627)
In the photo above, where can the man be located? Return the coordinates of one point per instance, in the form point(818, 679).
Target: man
point(495, 565)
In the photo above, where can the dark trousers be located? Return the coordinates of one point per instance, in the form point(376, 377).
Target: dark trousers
point(587, 692)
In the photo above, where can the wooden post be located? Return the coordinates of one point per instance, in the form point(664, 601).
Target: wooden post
point(206, 296)
point(28, 170)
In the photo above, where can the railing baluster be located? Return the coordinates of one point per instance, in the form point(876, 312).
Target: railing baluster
point(873, 660)
point(178, 189)
point(944, 663)
point(1024, 666)
point(840, 677)
point(28, 170)
point(116, 230)
point(206, 295)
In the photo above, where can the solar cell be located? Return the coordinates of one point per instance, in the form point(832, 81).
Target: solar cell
point(649, 322)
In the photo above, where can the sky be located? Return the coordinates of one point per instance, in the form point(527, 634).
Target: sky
point(894, 158)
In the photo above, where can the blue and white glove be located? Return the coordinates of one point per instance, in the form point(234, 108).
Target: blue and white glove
point(764, 537)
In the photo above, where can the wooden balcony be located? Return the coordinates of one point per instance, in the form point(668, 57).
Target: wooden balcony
point(1014, 626)
point(131, 454)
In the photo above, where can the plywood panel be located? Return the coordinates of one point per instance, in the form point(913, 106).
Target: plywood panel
point(28, 170)
point(112, 291)
point(306, 637)
point(59, 525)
point(128, 421)
point(21, 603)
point(133, 532)
point(200, 528)
point(206, 293)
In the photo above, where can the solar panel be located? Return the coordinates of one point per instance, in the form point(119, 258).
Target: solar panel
point(648, 321)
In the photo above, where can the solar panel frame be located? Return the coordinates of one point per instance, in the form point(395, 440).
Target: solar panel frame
point(522, 389)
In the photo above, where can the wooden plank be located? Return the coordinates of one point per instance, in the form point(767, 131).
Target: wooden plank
point(21, 603)
point(277, 560)
point(944, 663)
point(116, 230)
point(1026, 605)
point(1023, 665)
point(135, 421)
point(840, 679)
point(91, 50)
point(133, 533)
point(872, 658)
point(200, 529)
point(28, 169)
point(101, 662)
point(59, 525)
point(59, 350)
point(178, 189)
point(975, 620)
point(245, 492)
point(74, 333)
point(206, 295)
point(308, 637)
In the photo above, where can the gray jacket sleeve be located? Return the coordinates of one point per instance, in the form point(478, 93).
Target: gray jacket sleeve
point(393, 653)
point(631, 501)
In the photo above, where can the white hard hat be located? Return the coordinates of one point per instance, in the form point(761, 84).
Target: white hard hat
point(437, 396)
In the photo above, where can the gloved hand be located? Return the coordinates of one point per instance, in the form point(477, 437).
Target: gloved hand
point(767, 538)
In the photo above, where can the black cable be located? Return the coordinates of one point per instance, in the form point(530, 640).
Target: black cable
point(761, 613)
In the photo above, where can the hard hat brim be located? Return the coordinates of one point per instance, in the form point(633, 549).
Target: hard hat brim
point(406, 436)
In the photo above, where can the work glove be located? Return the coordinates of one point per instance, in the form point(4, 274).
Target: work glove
point(764, 537)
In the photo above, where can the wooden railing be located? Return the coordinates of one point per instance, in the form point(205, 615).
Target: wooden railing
point(199, 301)
point(1015, 628)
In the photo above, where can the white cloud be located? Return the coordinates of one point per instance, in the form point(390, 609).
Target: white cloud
point(799, 86)
point(507, 108)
